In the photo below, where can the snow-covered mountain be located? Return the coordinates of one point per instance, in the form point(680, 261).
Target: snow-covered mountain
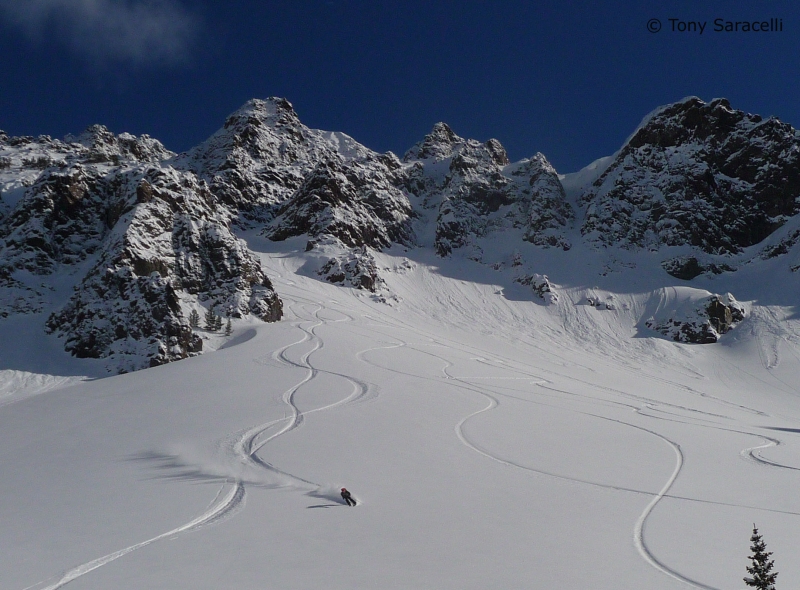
point(697, 174)
point(262, 154)
point(139, 243)
point(498, 361)
point(145, 236)
point(474, 191)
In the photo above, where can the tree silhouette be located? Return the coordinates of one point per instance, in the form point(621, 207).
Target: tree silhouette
point(211, 319)
point(762, 564)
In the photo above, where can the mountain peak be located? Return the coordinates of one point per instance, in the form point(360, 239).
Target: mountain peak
point(443, 133)
point(92, 136)
point(273, 112)
point(437, 144)
point(692, 120)
point(698, 173)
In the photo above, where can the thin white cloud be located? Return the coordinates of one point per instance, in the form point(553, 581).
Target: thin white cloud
point(137, 31)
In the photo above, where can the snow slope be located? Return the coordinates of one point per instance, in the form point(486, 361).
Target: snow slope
point(491, 440)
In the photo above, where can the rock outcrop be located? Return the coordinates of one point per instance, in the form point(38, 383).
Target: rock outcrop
point(172, 241)
point(143, 242)
point(541, 287)
point(356, 268)
point(353, 201)
point(475, 191)
point(700, 322)
point(698, 174)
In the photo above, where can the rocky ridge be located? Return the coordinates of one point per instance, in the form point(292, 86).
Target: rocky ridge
point(155, 240)
point(148, 236)
point(474, 190)
point(261, 156)
point(698, 174)
point(353, 201)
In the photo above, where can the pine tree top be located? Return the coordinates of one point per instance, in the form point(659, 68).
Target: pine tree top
point(761, 571)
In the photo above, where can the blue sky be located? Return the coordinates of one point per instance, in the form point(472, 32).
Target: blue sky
point(569, 79)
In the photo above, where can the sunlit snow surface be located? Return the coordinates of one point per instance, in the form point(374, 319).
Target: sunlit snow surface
point(490, 440)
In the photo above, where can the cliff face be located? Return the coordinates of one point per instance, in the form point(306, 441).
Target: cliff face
point(143, 242)
point(475, 191)
point(146, 236)
point(353, 201)
point(700, 174)
point(171, 246)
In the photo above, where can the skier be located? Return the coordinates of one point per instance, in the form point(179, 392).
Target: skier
point(348, 498)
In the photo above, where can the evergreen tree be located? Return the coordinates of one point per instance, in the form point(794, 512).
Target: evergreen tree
point(194, 319)
point(228, 328)
point(211, 320)
point(218, 323)
point(762, 564)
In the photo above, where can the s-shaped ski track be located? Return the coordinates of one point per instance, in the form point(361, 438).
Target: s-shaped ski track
point(246, 448)
point(639, 527)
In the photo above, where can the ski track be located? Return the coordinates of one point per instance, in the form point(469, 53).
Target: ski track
point(638, 535)
point(638, 531)
point(391, 322)
point(639, 527)
point(245, 449)
point(493, 402)
point(216, 512)
point(654, 405)
point(752, 454)
point(249, 443)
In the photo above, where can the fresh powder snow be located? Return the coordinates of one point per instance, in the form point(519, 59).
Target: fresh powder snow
point(525, 379)
point(491, 441)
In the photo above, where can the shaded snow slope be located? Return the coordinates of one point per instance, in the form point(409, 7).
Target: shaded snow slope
point(491, 441)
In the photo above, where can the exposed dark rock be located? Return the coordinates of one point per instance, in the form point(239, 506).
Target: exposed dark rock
point(549, 213)
point(128, 306)
point(683, 268)
point(136, 319)
point(356, 269)
point(599, 304)
point(353, 201)
point(698, 174)
point(438, 144)
point(701, 323)
point(62, 221)
point(482, 193)
point(158, 236)
point(541, 287)
point(781, 247)
point(688, 267)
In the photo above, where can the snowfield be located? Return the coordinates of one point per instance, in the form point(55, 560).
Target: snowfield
point(491, 440)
